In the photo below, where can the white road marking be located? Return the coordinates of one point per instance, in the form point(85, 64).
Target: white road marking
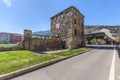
point(112, 69)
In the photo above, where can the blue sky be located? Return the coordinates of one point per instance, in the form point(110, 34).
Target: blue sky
point(17, 15)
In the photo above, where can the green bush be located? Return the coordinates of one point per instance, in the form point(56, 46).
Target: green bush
point(35, 37)
point(94, 41)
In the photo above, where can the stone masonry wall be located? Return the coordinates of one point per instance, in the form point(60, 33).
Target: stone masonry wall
point(68, 25)
point(45, 44)
point(30, 43)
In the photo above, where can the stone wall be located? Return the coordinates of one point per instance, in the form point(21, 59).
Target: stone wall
point(10, 48)
point(30, 43)
point(43, 44)
point(5, 49)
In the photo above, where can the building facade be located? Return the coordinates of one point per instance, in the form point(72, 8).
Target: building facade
point(103, 36)
point(10, 37)
point(15, 38)
point(68, 25)
point(4, 37)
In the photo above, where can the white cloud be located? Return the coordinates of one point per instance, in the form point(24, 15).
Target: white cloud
point(8, 3)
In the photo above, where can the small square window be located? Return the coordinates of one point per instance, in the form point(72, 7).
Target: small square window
point(68, 14)
point(54, 18)
point(62, 23)
point(58, 16)
point(62, 15)
point(57, 26)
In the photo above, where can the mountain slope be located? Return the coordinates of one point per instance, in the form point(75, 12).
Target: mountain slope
point(113, 29)
point(88, 29)
point(47, 33)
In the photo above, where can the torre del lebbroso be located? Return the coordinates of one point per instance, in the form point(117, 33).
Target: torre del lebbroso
point(68, 25)
point(67, 32)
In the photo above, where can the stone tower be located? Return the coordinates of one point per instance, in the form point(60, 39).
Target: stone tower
point(68, 25)
point(27, 39)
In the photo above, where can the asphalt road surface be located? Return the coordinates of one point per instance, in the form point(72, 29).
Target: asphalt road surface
point(101, 63)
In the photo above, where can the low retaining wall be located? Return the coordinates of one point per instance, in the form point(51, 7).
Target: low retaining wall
point(41, 44)
point(9, 49)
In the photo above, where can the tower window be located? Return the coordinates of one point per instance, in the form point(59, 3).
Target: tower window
point(57, 25)
point(75, 21)
point(68, 13)
point(82, 25)
point(75, 32)
point(58, 17)
point(55, 18)
point(62, 23)
point(58, 35)
point(62, 15)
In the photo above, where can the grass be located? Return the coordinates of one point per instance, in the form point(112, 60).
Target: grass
point(72, 52)
point(7, 45)
point(14, 60)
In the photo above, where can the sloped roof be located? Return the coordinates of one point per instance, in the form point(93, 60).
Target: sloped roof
point(66, 10)
point(107, 32)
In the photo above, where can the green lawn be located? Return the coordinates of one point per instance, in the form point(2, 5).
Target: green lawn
point(7, 45)
point(72, 52)
point(15, 60)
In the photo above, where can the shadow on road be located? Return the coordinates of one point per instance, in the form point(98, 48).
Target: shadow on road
point(118, 49)
point(101, 47)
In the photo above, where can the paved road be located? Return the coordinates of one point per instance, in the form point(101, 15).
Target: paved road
point(93, 65)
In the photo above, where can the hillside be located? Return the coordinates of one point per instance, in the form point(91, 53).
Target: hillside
point(113, 29)
point(47, 33)
point(88, 29)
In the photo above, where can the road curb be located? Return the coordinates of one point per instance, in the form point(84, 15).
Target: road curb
point(35, 67)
